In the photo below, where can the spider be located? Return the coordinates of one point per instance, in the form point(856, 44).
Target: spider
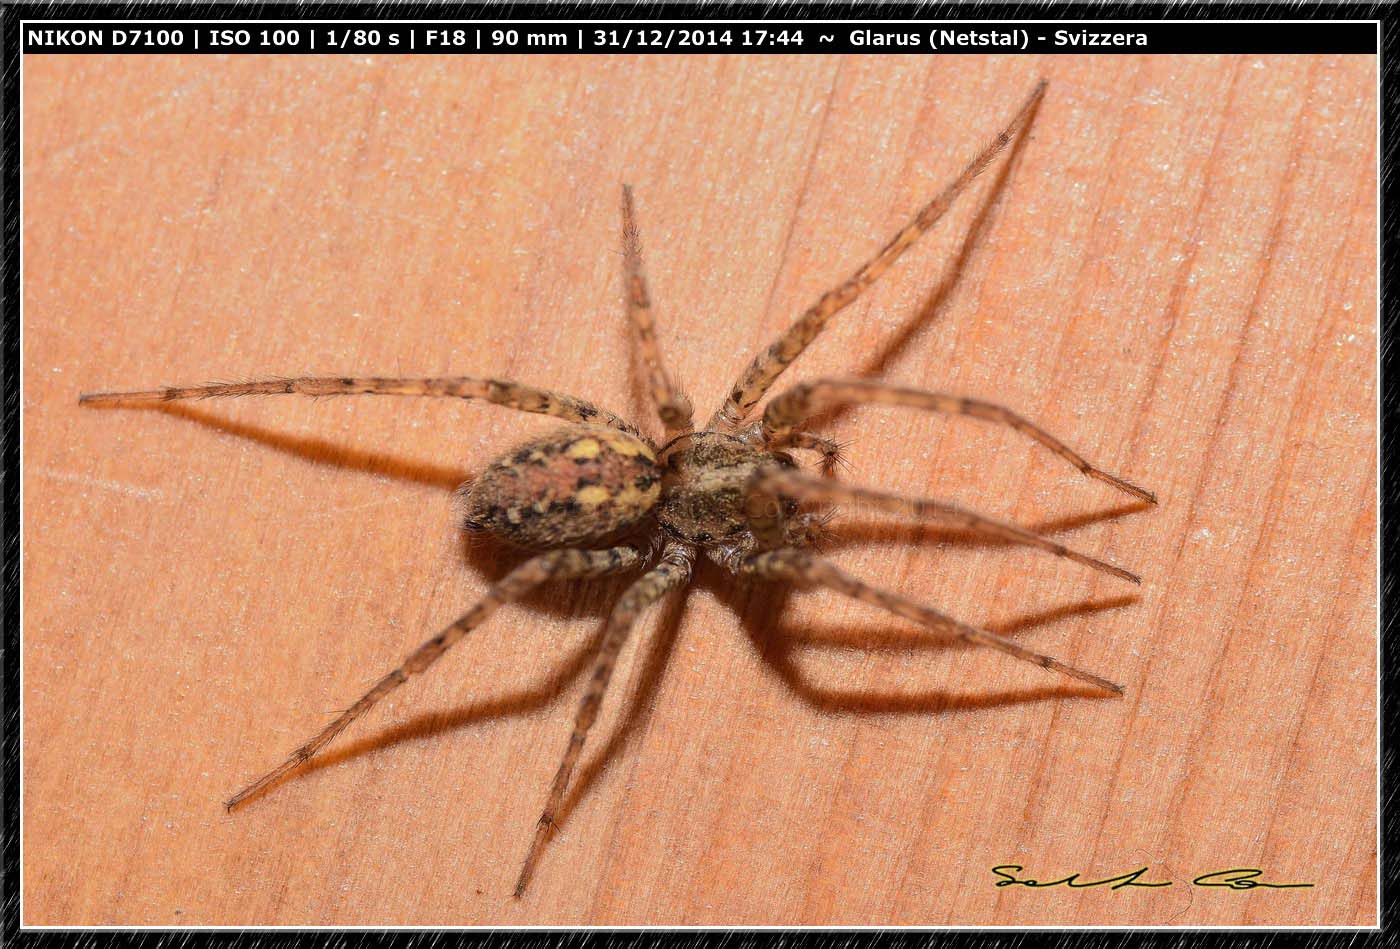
point(597, 496)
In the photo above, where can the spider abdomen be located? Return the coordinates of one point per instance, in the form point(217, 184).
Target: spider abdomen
point(575, 485)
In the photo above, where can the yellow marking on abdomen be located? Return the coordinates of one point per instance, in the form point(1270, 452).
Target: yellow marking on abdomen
point(628, 446)
point(632, 497)
point(592, 495)
point(584, 448)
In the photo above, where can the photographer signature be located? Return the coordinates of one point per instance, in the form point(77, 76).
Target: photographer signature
point(1238, 878)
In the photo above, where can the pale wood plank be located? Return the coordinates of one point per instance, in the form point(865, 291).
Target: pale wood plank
point(1178, 278)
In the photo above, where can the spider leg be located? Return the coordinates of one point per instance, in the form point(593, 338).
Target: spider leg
point(797, 404)
point(769, 485)
point(671, 571)
point(770, 363)
point(811, 571)
point(671, 405)
point(833, 453)
point(554, 565)
point(501, 392)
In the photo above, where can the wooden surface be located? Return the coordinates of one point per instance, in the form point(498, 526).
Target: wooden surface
point(1177, 276)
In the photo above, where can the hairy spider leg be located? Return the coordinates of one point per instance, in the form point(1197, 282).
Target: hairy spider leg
point(770, 363)
point(671, 571)
point(513, 395)
point(770, 484)
point(833, 453)
point(791, 408)
point(554, 565)
point(808, 570)
point(671, 404)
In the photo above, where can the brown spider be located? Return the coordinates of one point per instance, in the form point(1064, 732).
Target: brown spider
point(598, 497)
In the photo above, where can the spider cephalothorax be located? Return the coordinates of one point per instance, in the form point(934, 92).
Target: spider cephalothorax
point(706, 488)
point(598, 497)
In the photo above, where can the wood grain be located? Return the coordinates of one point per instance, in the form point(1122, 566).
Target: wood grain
point(1177, 276)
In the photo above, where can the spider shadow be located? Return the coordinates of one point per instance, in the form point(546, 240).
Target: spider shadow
point(760, 607)
point(880, 638)
point(491, 559)
point(585, 599)
point(311, 448)
point(855, 532)
point(593, 599)
point(937, 300)
point(424, 725)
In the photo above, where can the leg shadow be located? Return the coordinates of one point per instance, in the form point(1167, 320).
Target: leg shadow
point(937, 299)
point(761, 618)
point(851, 533)
point(639, 710)
point(317, 450)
